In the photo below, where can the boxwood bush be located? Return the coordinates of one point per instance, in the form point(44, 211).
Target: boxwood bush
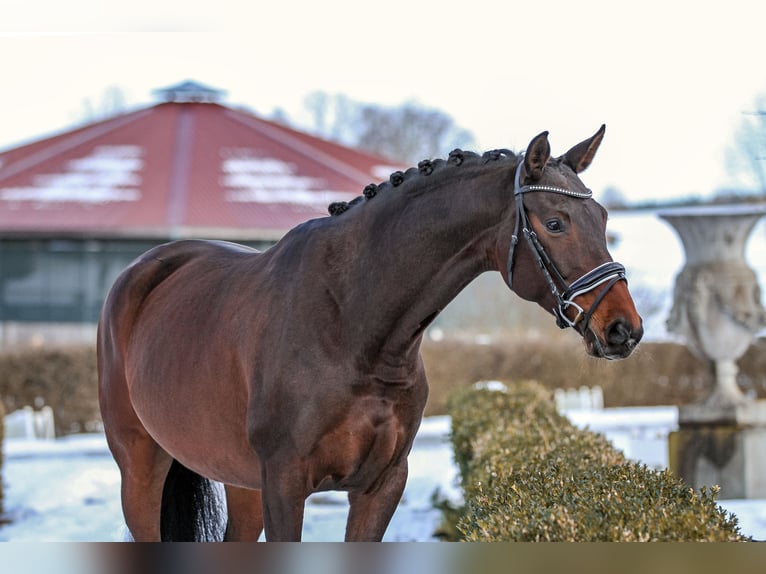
point(529, 475)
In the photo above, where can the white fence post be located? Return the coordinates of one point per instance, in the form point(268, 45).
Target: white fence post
point(28, 423)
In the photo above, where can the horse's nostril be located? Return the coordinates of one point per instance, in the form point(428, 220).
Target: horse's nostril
point(619, 332)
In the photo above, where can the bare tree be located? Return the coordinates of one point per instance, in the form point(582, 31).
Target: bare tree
point(111, 103)
point(746, 159)
point(406, 133)
point(334, 116)
point(613, 198)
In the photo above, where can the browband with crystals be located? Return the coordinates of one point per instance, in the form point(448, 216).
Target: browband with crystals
point(519, 189)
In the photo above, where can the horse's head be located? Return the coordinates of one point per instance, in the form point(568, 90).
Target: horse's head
point(558, 255)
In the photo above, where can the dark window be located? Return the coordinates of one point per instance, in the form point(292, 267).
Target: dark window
point(63, 281)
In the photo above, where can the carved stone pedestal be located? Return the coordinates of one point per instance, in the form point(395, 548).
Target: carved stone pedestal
point(723, 446)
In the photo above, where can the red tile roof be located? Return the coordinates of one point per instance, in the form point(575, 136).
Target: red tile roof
point(178, 169)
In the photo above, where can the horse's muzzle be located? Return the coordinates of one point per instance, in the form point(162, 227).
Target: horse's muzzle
point(619, 340)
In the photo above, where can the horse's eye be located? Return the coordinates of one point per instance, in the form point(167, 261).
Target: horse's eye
point(554, 225)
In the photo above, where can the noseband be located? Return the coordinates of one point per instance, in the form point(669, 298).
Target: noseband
point(606, 274)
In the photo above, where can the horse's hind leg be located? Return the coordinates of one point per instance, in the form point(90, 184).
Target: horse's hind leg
point(143, 464)
point(245, 510)
point(144, 467)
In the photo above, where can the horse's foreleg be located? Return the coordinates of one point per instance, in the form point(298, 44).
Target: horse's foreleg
point(245, 510)
point(284, 500)
point(371, 511)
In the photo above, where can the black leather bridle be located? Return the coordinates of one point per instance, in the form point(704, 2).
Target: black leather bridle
point(606, 274)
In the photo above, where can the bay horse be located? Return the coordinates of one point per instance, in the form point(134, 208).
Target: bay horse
point(297, 369)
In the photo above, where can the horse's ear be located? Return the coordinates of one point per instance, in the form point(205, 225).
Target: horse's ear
point(580, 156)
point(537, 155)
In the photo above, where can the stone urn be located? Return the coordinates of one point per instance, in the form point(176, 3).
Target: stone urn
point(717, 306)
point(717, 311)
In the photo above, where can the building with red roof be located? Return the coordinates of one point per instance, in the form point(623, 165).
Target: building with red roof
point(186, 167)
point(77, 207)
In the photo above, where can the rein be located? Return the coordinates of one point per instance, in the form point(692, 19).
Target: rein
point(606, 274)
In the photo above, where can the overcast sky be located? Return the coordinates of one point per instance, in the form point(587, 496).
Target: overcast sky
point(671, 79)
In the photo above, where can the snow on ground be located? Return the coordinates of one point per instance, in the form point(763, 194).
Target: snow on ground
point(68, 489)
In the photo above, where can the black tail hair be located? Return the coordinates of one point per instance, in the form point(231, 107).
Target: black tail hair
point(192, 509)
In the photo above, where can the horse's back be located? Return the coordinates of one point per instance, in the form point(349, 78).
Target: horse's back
point(142, 277)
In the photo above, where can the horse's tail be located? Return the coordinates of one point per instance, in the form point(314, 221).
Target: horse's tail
point(192, 509)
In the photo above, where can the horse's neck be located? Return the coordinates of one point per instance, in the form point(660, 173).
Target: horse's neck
point(418, 251)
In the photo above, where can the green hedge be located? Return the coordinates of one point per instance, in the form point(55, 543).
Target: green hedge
point(529, 475)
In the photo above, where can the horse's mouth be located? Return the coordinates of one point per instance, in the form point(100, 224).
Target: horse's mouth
point(601, 349)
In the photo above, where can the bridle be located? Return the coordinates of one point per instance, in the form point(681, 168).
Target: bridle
point(606, 274)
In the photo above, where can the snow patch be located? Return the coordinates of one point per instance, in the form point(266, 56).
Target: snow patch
point(109, 174)
point(251, 177)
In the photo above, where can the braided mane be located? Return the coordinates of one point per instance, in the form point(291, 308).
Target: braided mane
point(456, 158)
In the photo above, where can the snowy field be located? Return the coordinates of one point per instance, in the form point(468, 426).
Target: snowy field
point(68, 490)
